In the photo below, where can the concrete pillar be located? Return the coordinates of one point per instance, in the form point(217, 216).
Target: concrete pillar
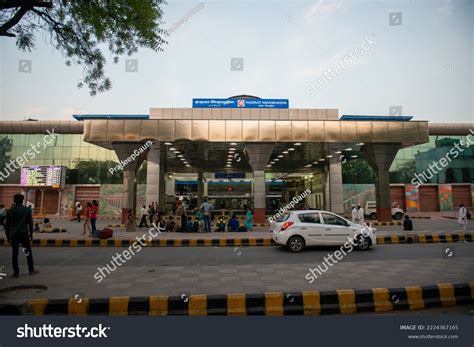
point(155, 175)
point(200, 192)
point(380, 158)
point(131, 155)
point(334, 188)
point(258, 157)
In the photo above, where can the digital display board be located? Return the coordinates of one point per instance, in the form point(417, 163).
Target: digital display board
point(43, 176)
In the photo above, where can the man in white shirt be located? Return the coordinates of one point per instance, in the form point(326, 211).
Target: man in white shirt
point(143, 215)
point(360, 215)
point(354, 214)
point(462, 218)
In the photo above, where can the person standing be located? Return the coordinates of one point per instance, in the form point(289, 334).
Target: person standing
point(354, 214)
point(181, 212)
point(143, 216)
point(19, 229)
point(151, 212)
point(94, 211)
point(78, 212)
point(462, 217)
point(87, 220)
point(360, 215)
point(207, 210)
point(249, 220)
point(407, 224)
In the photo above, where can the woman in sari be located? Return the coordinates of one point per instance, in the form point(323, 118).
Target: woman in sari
point(249, 219)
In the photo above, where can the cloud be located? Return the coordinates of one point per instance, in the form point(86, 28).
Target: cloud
point(446, 8)
point(323, 9)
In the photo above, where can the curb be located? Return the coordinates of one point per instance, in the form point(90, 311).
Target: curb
point(233, 242)
point(267, 225)
point(136, 226)
point(307, 303)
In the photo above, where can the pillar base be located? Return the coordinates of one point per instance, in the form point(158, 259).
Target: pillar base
point(124, 214)
point(259, 215)
point(384, 214)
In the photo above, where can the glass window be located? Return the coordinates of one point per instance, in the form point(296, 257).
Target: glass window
point(283, 218)
point(333, 220)
point(310, 218)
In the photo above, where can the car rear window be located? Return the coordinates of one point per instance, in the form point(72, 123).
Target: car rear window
point(283, 218)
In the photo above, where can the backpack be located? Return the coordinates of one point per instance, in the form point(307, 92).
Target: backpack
point(468, 215)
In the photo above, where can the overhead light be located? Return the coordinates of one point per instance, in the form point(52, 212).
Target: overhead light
point(348, 149)
point(338, 152)
point(291, 149)
point(315, 162)
point(180, 156)
point(329, 156)
point(272, 162)
point(309, 165)
point(360, 144)
point(353, 156)
point(322, 159)
point(168, 143)
point(231, 149)
point(172, 149)
point(188, 165)
point(233, 143)
point(280, 156)
point(297, 143)
point(285, 152)
point(269, 165)
point(276, 159)
point(228, 165)
point(182, 159)
point(230, 156)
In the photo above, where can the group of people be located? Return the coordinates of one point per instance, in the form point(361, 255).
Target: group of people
point(358, 214)
point(90, 217)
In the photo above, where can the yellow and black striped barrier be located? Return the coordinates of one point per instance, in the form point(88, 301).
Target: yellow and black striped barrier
point(236, 242)
point(308, 303)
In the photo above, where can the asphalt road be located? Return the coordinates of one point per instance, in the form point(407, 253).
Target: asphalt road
point(205, 256)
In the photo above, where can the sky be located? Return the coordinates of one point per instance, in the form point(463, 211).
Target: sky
point(420, 61)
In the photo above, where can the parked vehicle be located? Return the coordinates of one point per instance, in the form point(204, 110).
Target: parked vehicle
point(298, 229)
point(371, 211)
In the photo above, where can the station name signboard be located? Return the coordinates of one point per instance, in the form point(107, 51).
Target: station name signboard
point(240, 103)
point(43, 176)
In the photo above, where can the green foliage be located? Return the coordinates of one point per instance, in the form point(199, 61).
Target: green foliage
point(79, 29)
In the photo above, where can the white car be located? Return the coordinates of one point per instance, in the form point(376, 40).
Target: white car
point(298, 229)
point(371, 211)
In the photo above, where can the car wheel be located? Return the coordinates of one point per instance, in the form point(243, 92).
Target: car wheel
point(363, 243)
point(398, 215)
point(373, 216)
point(295, 244)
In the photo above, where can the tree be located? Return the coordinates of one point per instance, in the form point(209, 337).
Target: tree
point(77, 29)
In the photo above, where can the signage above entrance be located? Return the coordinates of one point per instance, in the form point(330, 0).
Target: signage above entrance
point(240, 103)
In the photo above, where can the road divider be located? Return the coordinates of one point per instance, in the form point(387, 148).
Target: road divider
point(233, 242)
point(307, 303)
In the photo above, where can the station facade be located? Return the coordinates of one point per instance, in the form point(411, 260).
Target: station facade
point(245, 157)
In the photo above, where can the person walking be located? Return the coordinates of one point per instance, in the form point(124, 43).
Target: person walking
point(151, 212)
point(354, 214)
point(181, 212)
point(207, 210)
point(143, 217)
point(87, 219)
point(19, 229)
point(249, 220)
point(130, 223)
point(94, 211)
point(462, 217)
point(78, 212)
point(360, 215)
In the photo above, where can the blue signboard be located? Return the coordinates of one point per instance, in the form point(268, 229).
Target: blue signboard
point(240, 103)
point(222, 175)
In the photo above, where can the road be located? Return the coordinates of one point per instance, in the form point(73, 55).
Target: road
point(66, 272)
